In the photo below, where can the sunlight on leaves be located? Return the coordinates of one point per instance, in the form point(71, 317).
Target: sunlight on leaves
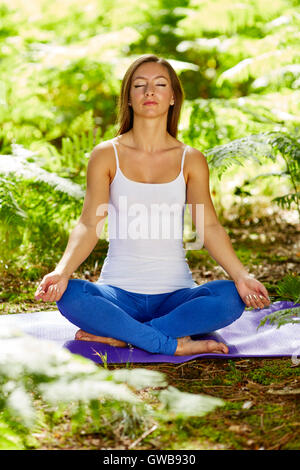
point(188, 404)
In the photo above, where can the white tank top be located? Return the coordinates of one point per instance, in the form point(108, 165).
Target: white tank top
point(145, 227)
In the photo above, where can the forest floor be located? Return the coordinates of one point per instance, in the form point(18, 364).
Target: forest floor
point(262, 395)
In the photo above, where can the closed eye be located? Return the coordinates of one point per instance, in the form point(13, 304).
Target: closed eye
point(159, 84)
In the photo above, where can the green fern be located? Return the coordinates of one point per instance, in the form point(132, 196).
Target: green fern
point(37, 209)
point(82, 123)
point(18, 166)
point(282, 317)
point(10, 211)
point(77, 147)
point(258, 148)
point(287, 289)
point(238, 152)
point(288, 200)
point(289, 147)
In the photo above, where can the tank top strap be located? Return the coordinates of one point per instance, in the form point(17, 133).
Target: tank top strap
point(183, 157)
point(117, 157)
point(116, 153)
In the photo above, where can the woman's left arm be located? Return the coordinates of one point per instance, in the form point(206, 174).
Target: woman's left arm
point(215, 237)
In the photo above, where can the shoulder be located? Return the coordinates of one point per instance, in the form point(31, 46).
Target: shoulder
point(102, 155)
point(102, 150)
point(196, 163)
point(194, 155)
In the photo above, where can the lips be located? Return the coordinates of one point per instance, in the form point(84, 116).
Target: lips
point(150, 102)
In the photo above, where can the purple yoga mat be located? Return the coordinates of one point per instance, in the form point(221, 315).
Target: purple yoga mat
point(242, 337)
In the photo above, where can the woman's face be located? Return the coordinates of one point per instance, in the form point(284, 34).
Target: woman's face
point(151, 82)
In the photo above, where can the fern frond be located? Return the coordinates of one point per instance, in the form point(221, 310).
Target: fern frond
point(77, 147)
point(289, 287)
point(19, 167)
point(287, 200)
point(11, 213)
point(82, 123)
point(282, 317)
point(237, 152)
point(278, 174)
point(285, 143)
point(287, 76)
point(259, 65)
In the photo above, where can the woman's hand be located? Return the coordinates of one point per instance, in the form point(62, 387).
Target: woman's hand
point(52, 287)
point(252, 292)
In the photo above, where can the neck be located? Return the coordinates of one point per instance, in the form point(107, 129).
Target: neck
point(149, 135)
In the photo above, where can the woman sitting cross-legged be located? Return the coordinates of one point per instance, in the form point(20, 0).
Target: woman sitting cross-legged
point(142, 179)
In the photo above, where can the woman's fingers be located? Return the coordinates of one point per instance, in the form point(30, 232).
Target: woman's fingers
point(265, 293)
point(53, 294)
point(42, 289)
point(265, 299)
point(50, 294)
point(52, 287)
point(39, 292)
point(256, 300)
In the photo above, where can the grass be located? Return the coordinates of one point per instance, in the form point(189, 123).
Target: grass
point(258, 413)
point(254, 417)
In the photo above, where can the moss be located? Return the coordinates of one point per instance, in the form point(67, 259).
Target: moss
point(272, 371)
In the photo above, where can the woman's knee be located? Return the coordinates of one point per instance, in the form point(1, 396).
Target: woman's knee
point(237, 304)
point(77, 297)
point(230, 297)
point(71, 293)
point(71, 303)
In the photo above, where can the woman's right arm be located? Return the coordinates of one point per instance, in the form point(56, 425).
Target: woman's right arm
point(85, 234)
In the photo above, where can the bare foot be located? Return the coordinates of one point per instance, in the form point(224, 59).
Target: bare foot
point(84, 336)
point(186, 347)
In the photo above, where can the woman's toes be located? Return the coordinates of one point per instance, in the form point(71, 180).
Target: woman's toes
point(119, 344)
point(216, 347)
point(79, 334)
point(84, 336)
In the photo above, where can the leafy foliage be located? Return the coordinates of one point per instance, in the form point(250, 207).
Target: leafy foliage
point(288, 289)
point(39, 375)
point(259, 148)
point(282, 317)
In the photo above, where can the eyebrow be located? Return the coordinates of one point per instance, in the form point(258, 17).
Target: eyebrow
point(157, 76)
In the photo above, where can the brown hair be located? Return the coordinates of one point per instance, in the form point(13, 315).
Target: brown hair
point(125, 112)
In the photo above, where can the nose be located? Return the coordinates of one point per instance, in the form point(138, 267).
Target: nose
point(149, 91)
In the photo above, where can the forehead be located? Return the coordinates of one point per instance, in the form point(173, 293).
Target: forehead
point(150, 70)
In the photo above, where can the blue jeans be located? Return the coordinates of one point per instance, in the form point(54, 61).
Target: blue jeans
point(150, 321)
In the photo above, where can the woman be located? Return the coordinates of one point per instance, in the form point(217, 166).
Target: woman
point(145, 295)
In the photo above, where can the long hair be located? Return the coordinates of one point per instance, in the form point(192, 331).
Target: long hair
point(125, 112)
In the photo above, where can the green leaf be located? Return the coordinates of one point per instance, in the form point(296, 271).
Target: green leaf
point(188, 404)
point(9, 439)
point(140, 378)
